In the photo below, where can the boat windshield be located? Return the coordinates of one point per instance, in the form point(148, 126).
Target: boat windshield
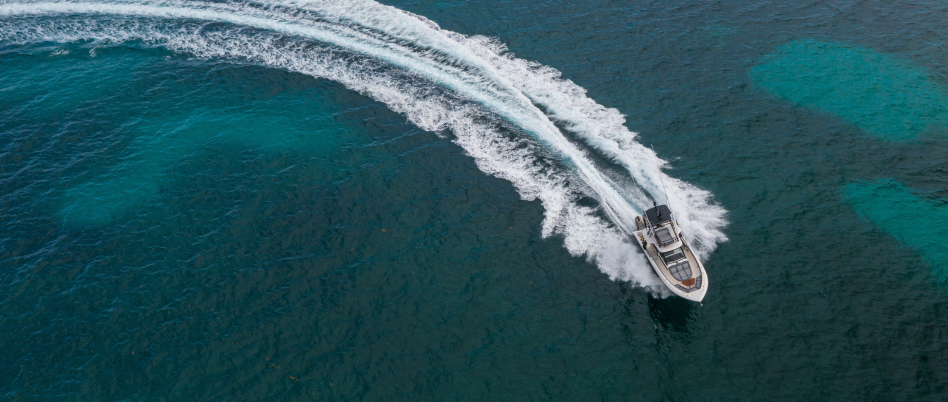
point(674, 255)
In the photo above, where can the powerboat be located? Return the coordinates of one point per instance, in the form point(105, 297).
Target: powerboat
point(671, 257)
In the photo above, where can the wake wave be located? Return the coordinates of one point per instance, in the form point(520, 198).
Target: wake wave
point(502, 110)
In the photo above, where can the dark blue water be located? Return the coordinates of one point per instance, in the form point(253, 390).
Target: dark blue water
point(342, 201)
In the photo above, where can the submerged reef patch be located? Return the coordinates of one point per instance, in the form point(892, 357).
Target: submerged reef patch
point(918, 223)
point(881, 95)
point(161, 121)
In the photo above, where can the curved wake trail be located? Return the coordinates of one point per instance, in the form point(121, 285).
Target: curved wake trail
point(440, 80)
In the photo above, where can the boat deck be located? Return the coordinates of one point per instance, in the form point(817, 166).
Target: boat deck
point(653, 254)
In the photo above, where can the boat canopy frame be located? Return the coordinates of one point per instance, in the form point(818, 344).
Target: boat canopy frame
point(658, 215)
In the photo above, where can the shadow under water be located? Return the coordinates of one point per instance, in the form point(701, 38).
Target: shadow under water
point(672, 313)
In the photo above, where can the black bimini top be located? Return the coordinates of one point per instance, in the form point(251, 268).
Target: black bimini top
point(658, 215)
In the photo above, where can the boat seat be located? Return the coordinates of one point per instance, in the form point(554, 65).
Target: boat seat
point(681, 271)
point(664, 237)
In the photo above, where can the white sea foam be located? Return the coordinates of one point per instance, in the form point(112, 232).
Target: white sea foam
point(440, 80)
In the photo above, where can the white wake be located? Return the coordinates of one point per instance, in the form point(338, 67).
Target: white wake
point(441, 81)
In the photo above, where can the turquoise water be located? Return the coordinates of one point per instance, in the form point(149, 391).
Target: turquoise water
point(914, 221)
point(880, 94)
point(171, 121)
point(341, 201)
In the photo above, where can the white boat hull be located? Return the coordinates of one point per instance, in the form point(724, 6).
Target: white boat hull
point(670, 256)
point(695, 295)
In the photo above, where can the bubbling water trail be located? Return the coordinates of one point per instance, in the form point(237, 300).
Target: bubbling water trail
point(600, 127)
point(475, 69)
point(512, 105)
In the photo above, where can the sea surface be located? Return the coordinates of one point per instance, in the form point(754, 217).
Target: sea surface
point(414, 200)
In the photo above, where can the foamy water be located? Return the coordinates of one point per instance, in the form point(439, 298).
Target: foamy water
point(502, 110)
